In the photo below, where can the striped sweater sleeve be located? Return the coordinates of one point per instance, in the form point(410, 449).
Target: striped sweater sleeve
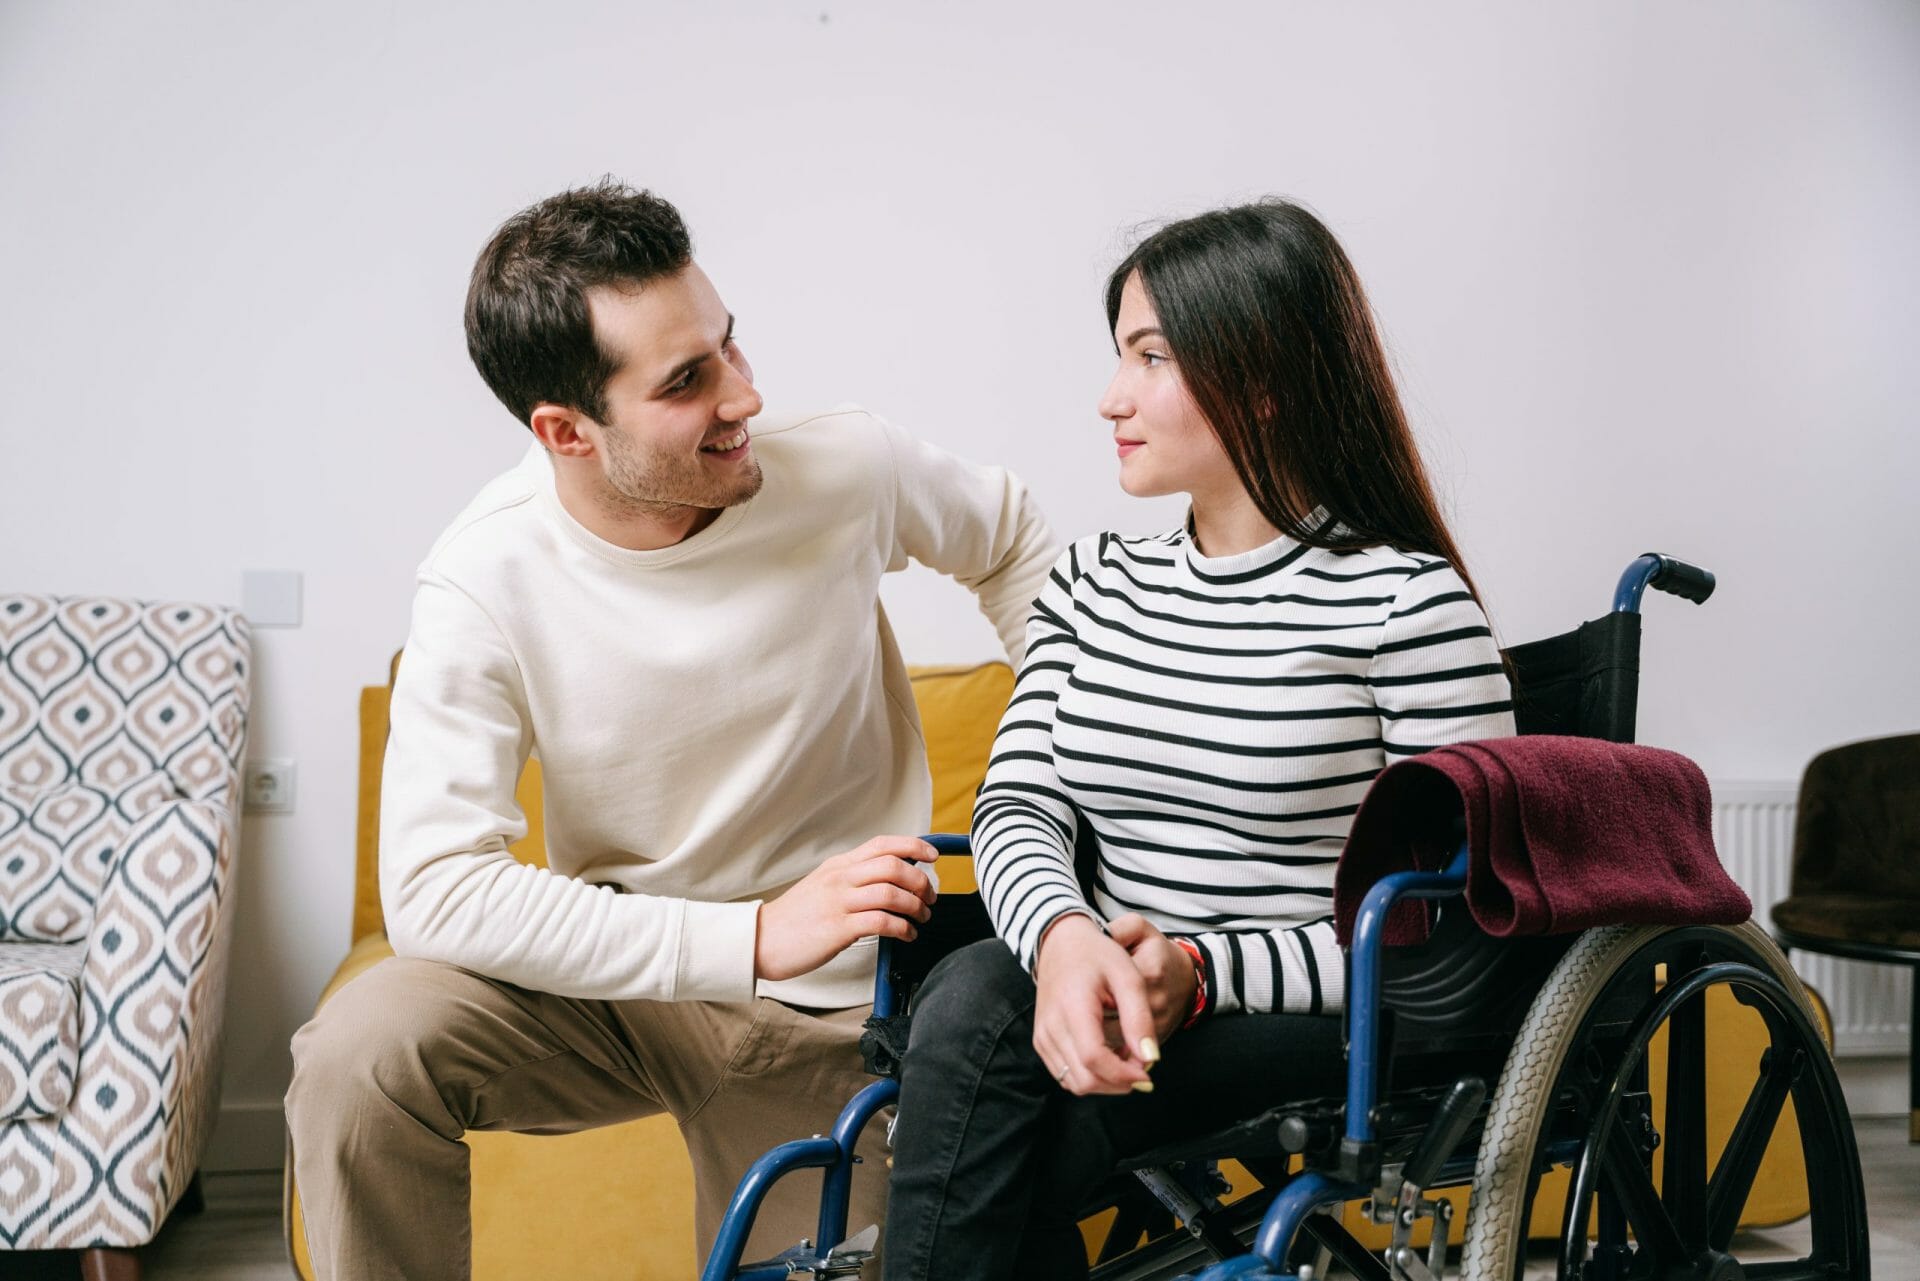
point(1024, 825)
point(1436, 678)
point(1436, 674)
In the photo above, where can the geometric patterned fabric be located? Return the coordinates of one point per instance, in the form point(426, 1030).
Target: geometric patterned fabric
point(122, 729)
point(39, 1026)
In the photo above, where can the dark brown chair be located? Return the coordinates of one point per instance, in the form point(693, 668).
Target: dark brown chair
point(1856, 866)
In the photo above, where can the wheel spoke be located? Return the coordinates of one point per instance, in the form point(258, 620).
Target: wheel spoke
point(1633, 1184)
point(1733, 1177)
point(1683, 1148)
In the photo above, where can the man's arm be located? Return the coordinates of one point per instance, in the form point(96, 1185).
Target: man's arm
point(452, 891)
point(977, 524)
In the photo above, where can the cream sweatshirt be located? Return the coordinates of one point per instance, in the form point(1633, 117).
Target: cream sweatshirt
point(712, 719)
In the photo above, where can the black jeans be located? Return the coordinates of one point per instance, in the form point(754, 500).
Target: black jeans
point(992, 1159)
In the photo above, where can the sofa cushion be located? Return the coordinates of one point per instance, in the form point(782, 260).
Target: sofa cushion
point(39, 1027)
point(56, 848)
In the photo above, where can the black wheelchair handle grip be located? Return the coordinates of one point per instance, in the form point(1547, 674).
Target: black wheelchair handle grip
point(1456, 1112)
point(1677, 578)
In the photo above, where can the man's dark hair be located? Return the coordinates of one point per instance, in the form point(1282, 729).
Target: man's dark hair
point(528, 328)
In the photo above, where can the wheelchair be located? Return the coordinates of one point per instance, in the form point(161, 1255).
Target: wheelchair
point(1571, 1030)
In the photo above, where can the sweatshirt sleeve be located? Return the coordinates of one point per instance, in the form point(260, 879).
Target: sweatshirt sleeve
point(453, 892)
point(1023, 824)
point(1436, 678)
point(977, 524)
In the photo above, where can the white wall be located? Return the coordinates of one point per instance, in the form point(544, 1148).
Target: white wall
point(1648, 270)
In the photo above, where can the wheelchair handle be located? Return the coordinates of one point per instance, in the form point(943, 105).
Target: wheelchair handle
point(1663, 573)
point(885, 1000)
point(1457, 1111)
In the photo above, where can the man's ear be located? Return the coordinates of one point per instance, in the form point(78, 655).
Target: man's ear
point(558, 429)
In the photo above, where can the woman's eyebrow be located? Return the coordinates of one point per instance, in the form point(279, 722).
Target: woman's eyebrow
point(1145, 331)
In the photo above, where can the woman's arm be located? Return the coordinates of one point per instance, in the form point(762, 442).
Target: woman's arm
point(1024, 827)
point(1436, 678)
point(1023, 823)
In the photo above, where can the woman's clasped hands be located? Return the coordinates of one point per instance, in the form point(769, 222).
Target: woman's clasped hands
point(1107, 1001)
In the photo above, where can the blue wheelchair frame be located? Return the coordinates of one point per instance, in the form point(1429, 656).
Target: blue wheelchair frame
point(1303, 1195)
point(833, 1153)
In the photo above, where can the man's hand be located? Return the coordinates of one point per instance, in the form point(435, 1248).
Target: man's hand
point(1164, 967)
point(866, 891)
point(1081, 975)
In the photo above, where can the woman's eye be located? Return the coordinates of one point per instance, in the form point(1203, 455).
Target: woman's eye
point(1151, 358)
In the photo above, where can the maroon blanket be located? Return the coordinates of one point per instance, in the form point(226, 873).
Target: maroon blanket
point(1564, 834)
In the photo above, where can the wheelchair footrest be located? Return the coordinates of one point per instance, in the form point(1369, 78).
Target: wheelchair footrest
point(804, 1260)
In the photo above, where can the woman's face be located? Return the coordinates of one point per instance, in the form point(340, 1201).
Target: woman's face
point(1166, 446)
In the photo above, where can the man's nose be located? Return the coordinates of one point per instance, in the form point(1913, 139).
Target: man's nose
point(740, 401)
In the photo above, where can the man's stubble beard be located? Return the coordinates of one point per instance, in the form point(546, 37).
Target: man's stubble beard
point(642, 482)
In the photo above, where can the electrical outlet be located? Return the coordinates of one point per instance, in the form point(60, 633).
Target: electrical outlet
point(269, 786)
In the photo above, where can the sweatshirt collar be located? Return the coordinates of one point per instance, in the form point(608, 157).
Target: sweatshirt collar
point(539, 468)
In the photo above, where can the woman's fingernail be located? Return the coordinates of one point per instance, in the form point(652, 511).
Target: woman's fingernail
point(1149, 1050)
point(1143, 1087)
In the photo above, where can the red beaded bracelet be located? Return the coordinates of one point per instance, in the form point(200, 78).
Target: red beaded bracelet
point(1192, 949)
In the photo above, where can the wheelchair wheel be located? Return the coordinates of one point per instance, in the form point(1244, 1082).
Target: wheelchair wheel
point(1574, 1093)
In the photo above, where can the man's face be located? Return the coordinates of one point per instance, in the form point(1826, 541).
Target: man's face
point(678, 407)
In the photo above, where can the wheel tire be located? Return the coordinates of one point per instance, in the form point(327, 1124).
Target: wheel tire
point(1505, 1173)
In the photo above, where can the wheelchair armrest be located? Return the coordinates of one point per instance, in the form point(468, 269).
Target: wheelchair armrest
point(1364, 1003)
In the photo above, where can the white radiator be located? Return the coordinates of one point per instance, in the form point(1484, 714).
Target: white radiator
point(1753, 825)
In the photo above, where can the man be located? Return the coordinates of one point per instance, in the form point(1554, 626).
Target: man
point(673, 602)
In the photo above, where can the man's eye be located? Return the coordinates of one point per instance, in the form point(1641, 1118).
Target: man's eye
point(683, 382)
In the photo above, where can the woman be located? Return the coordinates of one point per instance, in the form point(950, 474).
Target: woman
point(1206, 708)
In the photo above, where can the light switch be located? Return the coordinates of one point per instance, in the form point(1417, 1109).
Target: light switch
point(270, 597)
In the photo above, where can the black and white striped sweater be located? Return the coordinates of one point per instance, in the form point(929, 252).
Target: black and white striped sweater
point(1215, 721)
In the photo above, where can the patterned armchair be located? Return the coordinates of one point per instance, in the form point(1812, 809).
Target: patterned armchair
point(122, 727)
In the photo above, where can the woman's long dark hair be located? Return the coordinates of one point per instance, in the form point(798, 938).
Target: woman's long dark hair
point(1274, 340)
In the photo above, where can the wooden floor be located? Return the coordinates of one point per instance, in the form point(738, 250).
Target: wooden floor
point(238, 1237)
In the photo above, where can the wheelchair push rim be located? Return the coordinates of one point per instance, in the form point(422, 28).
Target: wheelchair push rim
point(1575, 1094)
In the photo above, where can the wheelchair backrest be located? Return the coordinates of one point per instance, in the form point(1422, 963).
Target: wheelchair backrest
point(1460, 988)
point(1585, 682)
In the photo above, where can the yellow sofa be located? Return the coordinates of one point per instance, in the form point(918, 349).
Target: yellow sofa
point(628, 1202)
point(628, 1205)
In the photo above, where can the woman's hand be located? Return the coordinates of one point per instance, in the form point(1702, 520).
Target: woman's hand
point(1165, 969)
point(1081, 974)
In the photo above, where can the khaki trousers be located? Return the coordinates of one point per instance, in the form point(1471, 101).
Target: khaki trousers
point(412, 1054)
